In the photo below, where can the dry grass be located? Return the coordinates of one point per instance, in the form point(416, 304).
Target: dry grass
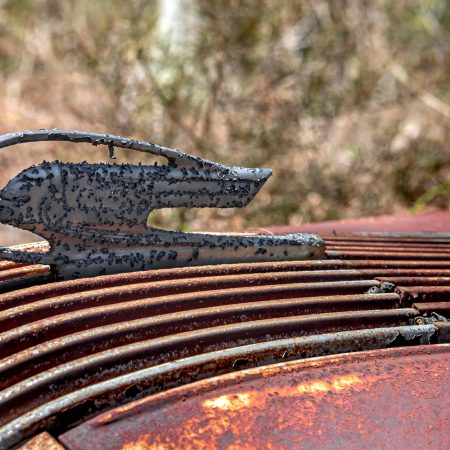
point(348, 101)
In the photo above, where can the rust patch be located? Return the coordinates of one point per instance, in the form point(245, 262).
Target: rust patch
point(320, 403)
point(415, 294)
point(429, 307)
point(42, 441)
point(417, 280)
point(385, 254)
point(79, 404)
point(75, 348)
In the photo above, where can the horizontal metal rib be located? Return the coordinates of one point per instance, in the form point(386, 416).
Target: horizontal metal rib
point(415, 294)
point(8, 265)
point(43, 330)
point(417, 281)
point(382, 254)
point(390, 249)
point(197, 284)
point(20, 272)
point(430, 307)
point(416, 238)
point(82, 402)
point(60, 380)
point(370, 268)
point(187, 273)
point(85, 332)
point(333, 244)
point(61, 340)
point(21, 315)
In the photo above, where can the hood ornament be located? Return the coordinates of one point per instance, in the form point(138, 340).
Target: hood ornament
point(94, 216)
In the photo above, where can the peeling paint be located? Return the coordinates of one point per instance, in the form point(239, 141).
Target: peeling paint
point(95, 215)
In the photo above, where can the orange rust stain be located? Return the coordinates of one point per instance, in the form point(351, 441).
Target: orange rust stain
point(346, 381)
point(231, 413)
point(252, 399)
point(143, 444)
point(341, 406)
point(43, 441)
point(335, 384)
point(231, 402)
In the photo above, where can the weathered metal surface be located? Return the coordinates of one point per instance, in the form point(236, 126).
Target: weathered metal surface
point(71, 349)
point(17, 276)
point(443, 332)
point(393, 254)
point(42, 441)
point(253, 284)
point(416, 281)
point(58, 325)
point(21, 315)
point(388, 248)
point(95, 215)
point(39, 389)
point(415, 294)
point(379, 246)
point(76, 406)
point(24, 271)
point(320, 403)
point(428, 307)
point(48, 343)
point(428, 238)
point(403, 241)
point(416, 225)
point(361, 268)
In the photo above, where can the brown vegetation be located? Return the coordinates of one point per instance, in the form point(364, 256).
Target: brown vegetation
point(348, 101)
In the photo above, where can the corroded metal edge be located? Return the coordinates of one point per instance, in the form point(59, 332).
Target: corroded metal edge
point(59, 413)
point(410, 282)
point(388, 398)
point(43, 441)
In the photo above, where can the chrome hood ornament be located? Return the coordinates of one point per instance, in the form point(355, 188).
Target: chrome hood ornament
point(94, 216)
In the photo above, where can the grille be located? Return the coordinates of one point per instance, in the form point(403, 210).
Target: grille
point(70, 350)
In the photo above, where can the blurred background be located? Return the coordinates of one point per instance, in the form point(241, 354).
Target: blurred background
point(347, 101)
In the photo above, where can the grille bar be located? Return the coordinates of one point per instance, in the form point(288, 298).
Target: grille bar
point(69, 338)
point(71, 349)
point(65, 411)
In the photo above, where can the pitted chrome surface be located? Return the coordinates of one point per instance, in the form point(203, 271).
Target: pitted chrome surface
point(95, 215)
